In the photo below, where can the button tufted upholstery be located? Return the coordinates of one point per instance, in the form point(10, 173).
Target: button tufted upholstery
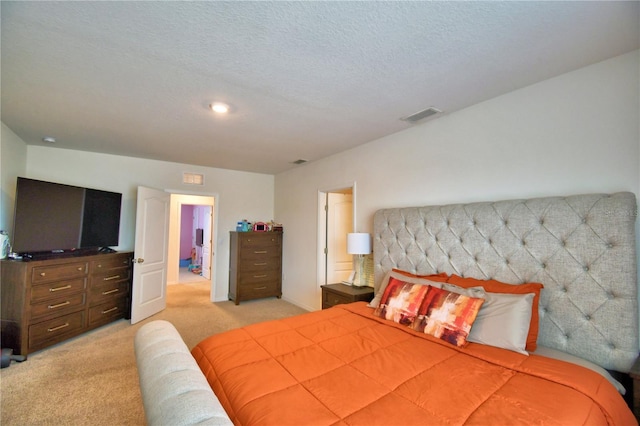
point(582, 248)
point(174, 390)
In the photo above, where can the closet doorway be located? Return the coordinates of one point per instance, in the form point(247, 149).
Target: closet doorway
point(335, 221)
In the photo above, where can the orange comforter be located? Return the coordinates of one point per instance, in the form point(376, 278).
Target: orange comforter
point(343, 366)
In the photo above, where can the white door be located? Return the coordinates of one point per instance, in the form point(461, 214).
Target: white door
point(206, 241)
point(150, 256)
point(339, 224)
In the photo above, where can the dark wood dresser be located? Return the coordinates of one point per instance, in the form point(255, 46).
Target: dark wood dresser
point(47, 301)
point(255, 265)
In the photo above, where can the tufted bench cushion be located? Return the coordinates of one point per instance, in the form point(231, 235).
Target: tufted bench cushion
point(174, 390)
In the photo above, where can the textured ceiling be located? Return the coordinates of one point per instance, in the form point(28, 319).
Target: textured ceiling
point(305, 79)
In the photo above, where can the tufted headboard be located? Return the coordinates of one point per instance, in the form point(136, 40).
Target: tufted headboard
point(582, 248)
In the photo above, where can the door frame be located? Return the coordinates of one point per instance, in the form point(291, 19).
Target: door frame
point(192, 198)
point(322, 228)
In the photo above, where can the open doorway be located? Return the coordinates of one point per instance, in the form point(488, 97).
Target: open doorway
point(191, 237)
point(335, 221)
point(195, 243)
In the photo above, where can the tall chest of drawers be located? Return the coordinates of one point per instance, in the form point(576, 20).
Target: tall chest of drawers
point(47, 301)
point(255, 265)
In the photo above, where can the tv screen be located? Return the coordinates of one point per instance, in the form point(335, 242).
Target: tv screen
point(53, 217)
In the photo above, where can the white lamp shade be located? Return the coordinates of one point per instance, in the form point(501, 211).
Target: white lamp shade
point(358, 243)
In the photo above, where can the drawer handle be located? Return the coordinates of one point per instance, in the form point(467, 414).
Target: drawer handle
point(43, 274)
point(60, 327)
point(110, 310)
point(260, 264)
point(260, 288)
point(113, 277)
point(260, 276)
point(60, 288)
point(115, 290)
point(59, 305)
point(260, 252)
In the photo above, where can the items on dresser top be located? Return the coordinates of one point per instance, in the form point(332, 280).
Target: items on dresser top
point(246, 226)
point(255, 265)
point(47, 301)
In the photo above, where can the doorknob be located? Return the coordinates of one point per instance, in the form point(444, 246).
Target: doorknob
point(138, 260)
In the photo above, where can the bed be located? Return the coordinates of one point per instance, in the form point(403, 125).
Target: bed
point(425, 351)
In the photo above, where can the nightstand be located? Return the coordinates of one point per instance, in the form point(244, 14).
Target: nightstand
point(336, 294)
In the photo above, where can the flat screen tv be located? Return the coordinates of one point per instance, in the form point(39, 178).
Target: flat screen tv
point(56, 218)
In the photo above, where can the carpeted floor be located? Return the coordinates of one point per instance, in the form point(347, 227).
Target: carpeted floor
point(92, 379)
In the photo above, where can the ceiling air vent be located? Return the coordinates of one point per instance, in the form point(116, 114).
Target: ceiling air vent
point(192, 179)
point(421, 115)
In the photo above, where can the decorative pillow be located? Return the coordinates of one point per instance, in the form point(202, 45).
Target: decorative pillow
point(407, 277)
point(447, 315)
point(400, 301)
point(493, 286)
point(503, 320)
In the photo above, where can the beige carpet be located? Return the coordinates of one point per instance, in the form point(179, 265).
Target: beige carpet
point(92, 379)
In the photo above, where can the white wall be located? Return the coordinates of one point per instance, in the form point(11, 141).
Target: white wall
point(239, 195)
point(575, 133)
point(13, 163)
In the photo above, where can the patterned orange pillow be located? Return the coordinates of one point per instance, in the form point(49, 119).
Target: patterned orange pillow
point(447, 315)
point(400, 301)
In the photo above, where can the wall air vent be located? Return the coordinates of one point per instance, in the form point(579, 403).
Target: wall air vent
point(301, 161)
point(421, 115)
point(192, 178)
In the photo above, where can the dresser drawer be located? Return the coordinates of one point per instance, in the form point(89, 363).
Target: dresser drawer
point(58, 306)
point(250, 278)
point(250, 240)
point(110, 276)
point(108, 291)
point(257, 290)
point(107, 312)
point(259, 264)
point(260, 253)
point(332, 299)
point(43, 333)
point(57, 289)
point(41, 274)
point(110, 263)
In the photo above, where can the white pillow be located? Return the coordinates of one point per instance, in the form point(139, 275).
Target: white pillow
point(503, 320)
point(385, 282)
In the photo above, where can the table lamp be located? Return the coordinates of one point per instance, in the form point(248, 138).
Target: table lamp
point(359, 243)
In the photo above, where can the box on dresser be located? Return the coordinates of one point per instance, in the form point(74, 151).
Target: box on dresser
point(47, 301)
point(255, 265)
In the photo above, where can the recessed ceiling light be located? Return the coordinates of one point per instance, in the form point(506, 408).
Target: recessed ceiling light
point(49, 139)
point(219, 107)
